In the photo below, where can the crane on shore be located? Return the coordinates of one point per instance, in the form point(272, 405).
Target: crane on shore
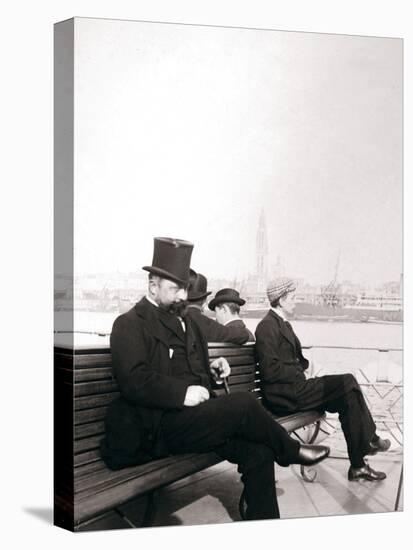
point(330, 293)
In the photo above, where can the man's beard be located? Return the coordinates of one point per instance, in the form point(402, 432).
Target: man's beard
point(177, 308)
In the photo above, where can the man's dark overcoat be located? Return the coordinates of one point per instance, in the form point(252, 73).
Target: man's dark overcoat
point(141, 363)
point(281, 362)
point(215, 332)
point(286, 388)
point(239, 324)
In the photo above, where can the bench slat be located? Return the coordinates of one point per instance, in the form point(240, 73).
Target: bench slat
point(235, 380)
point(92, 428)
point(84, 361)
point(87, 444)
point(86, 375)
point(86, 469)
point(92, 401)
point(101, 479)
point(92, 503)
point(90, 415)
point(86, 458)
point(235, 360)
point(94, 388)
point(243, 369)
point(228, 352)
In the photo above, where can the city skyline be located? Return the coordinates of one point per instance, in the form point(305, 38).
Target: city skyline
point(274, 265)
point(266, 265)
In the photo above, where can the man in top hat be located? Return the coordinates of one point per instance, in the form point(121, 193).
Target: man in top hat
point(212, 330)
point(227, 304)
point(286, 388)
point(167, 403)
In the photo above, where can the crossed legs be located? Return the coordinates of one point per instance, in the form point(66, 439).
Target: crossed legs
point(238, 428)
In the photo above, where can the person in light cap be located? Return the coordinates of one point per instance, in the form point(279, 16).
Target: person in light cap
point(167, 403)
point(287, 390)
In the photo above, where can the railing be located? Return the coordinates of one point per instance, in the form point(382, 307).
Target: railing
point(383, 363)
point(382, 390)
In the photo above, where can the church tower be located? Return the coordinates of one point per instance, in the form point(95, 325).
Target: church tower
point(262, 254)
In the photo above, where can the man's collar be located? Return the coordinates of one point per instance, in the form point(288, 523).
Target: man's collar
point(280, 313)
point(151, 300)
point(231, 320)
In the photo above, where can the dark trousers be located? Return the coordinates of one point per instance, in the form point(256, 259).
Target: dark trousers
point(240, 430)
point(341, 393)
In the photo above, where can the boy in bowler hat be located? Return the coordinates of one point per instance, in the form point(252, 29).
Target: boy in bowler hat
point(167, 403)
point(212, 330)
point(227, 306)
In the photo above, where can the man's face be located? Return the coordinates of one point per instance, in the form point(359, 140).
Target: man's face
point(168, 295)
point(288, 302)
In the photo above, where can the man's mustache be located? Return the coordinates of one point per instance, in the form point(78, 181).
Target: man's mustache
point(177, 308)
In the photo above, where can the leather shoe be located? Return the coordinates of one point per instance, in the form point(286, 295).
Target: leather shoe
point(312, 454)
point(379, 446)
point(365, 472)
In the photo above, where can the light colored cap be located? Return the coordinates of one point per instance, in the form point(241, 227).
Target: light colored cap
point(279, 287)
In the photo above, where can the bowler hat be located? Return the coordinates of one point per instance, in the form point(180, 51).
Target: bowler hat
point(171, 259)
point(226, 295)
point(197, 286)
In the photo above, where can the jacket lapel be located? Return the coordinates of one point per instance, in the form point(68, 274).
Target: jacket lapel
point(193, 327)
point(285, 330)
point(149, 313)
point(172, 323)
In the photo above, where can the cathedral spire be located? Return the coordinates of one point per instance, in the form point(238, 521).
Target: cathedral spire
point(261, 253)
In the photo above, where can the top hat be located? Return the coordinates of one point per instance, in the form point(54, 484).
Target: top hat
point(226, 295)
point(171, 259)
point(279, 287)
point(197, 286)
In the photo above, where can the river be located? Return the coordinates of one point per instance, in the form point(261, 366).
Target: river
point(311, 333)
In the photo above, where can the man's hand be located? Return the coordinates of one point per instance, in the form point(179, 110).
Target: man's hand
point(220, 369)
point(195, 395)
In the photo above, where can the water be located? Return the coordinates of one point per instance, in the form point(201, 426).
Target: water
point(335, 333)
point(310, 333)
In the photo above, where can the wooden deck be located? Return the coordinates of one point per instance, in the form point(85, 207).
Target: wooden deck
point(211, 496)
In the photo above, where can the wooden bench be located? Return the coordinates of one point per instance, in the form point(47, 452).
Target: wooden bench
point(84, 386)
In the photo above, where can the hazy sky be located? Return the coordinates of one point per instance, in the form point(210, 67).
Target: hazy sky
point(189, 132)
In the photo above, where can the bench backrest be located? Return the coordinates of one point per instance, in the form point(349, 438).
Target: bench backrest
point(89, 373)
